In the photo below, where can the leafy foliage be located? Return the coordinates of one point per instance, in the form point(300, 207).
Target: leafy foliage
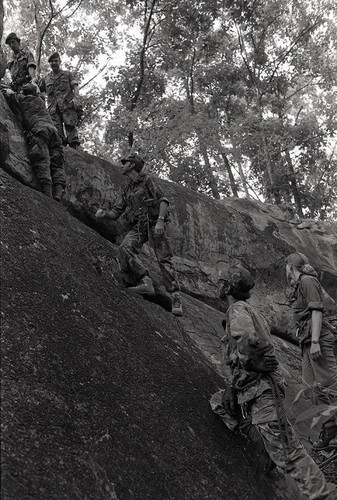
point(229, 98)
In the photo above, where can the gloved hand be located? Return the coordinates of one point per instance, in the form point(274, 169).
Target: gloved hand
point(262, 360)
point(230, 402)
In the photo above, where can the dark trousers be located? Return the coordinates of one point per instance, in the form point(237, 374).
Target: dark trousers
point(69, 119)
point(132, 267)
point(46, 156)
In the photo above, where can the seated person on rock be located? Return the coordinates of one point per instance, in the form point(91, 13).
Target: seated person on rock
point(148, 209)
point(45, 145)
point(257, 388)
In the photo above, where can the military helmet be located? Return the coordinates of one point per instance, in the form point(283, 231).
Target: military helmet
point(136, 161)
point(12, 36)
point(240, 279)
point(237, 280)
point(29, 89)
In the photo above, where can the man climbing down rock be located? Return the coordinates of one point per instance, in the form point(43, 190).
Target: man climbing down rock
point(148, 209)
point(257, 387)
point(45, 145)
point(61, 88)
point(22, 66)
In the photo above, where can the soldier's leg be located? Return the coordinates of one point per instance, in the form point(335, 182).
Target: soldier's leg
point(243, 424)
point(40, 161)
point(287, 451)
point(164, 254)
point(57, 165)
point(132, 268)
point(70, 120)
point(56, 116)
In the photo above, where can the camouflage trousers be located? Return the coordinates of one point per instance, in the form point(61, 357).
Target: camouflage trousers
point(46, 156)
point(131, 266)
point(68, 118)
point(292, 457)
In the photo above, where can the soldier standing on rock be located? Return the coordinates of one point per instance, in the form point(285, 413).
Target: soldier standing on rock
point(45, 145)
point(22, 66)
point(316, 337)
point(148, 208)
point(61, 88)
point(257, 388)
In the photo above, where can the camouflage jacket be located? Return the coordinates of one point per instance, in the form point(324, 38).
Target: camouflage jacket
point(140, 200)
point(33, 112)
point(59, 89)
point(246, 330)
point(308, 295)
point(18, 67)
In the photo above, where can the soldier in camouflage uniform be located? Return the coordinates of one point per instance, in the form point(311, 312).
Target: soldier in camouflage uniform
point(61, 88)
point(316, 336)
point(22, 66)
point(148, 209)
point(257, 388)
point(45, 145)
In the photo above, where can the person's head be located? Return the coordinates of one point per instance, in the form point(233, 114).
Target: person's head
point(133, 165)
point(296, 264)
point(55, 61)
point(13, 41)
point(29, 89)
point(237, 283)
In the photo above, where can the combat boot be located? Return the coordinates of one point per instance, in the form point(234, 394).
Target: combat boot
point(47, 189)
point(58, 191)
point(328, 434)
point(177, 307)
point(333, 443)
point(145, 286)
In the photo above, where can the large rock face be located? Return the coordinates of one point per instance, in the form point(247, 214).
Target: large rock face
point(106, 394)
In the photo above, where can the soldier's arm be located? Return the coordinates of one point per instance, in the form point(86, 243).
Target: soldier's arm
point(255, 354)
point(42, 85)
point(74, 85)
point(31, 65)
point(115, 212)
point(13, 100)
point(242, 330)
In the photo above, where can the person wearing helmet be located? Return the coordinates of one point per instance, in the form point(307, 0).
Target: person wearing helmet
point(22, 66)
point(45, 145)
point(61, 88)
point(257, 387)
point(148, 209)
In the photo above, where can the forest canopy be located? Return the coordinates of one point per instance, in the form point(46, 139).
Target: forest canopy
point(230, 97)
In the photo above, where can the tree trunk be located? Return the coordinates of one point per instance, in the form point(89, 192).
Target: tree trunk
point(209, 172)
point(1, 19)
point(293, 183)
point(230, 174)
point(237, 158)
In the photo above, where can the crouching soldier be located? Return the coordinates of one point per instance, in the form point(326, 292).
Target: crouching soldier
point(148, 209)
point(45, 145)
point(257, 388)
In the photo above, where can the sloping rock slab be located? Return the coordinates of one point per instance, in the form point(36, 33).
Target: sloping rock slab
point(104, 395)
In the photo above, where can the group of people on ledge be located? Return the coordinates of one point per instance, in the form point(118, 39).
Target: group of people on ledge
point(253, 401)
point(46, 129)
